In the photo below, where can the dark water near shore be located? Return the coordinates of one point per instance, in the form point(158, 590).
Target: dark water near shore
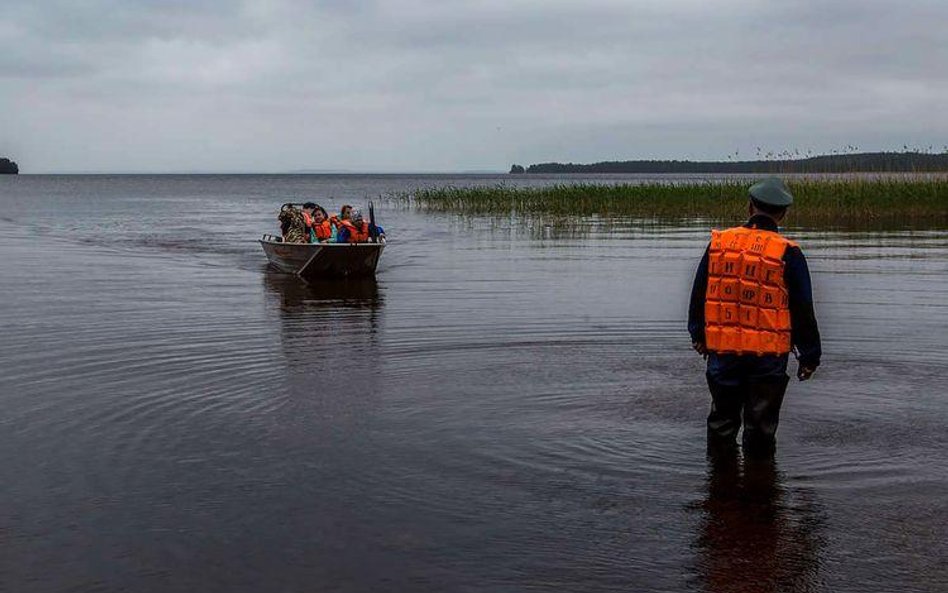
point(501, 410)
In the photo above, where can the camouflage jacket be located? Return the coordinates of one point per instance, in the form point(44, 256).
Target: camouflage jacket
point(292, 225)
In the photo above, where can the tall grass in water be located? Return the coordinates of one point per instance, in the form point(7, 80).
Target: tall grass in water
point(834, 202)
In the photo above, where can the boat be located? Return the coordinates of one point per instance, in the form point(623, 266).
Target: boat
point(319, 261)
point(312, 261)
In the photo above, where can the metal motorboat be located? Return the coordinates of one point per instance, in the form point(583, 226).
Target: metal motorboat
point(312, 261)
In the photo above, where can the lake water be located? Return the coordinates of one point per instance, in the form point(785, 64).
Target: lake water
point(504, 409)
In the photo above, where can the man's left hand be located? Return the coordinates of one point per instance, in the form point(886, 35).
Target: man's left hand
point(804, 373)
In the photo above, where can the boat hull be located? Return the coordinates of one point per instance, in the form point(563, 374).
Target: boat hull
point(312, 261)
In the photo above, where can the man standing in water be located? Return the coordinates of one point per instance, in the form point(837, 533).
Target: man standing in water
point(751, 303)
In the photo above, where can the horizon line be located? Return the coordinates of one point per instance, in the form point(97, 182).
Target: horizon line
point(293, 172)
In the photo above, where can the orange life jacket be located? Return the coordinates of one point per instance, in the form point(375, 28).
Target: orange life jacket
point(357, 234)
point(323, 230)
point(746, 307)
point(362, 235)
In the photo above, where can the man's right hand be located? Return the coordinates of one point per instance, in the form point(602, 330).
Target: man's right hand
point(804, 373)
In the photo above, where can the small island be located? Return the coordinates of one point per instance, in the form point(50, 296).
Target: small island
point(861, 162)
point(8, 167)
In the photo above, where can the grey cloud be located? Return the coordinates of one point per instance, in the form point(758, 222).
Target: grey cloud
point(109, 20)
point(421, 85)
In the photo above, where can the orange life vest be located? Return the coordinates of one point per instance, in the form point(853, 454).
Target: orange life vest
point(746, 307)
point(357, 234)
point(362, 235)
point(323, 230)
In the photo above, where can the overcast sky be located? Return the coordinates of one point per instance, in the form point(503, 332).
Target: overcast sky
point(281, 85)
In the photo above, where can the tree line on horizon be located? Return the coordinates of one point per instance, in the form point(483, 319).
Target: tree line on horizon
point(8, 167)
point(864, 162)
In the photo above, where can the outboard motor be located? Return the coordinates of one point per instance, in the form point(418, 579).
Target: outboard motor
point(373, 229)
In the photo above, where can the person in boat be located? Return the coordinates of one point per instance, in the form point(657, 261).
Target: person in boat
point(312, 212)
point(321, 230)
point(344, 214)
point(293, 225)
point(357, 230)
point(353, 229)
point(751, 303)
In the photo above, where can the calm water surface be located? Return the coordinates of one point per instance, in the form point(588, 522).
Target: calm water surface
point(502, 410)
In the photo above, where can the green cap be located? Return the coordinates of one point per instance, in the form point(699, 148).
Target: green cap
point(771, 191)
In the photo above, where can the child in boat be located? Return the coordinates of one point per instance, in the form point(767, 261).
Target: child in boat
point(357, 230)
point(321, 230)
point(344, 213)
point(318, 228)
point(336, 221)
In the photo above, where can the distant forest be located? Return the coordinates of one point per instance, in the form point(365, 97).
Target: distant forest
point(868, 162)
point(8, 167)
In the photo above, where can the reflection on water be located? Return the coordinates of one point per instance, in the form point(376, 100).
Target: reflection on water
point(328, 327)
point(329, 332)
point(756, 536)
point(295, 293)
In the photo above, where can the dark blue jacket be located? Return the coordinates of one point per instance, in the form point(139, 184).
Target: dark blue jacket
point(804, 333)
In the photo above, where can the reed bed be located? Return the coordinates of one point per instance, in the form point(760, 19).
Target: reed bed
point(832, 202)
